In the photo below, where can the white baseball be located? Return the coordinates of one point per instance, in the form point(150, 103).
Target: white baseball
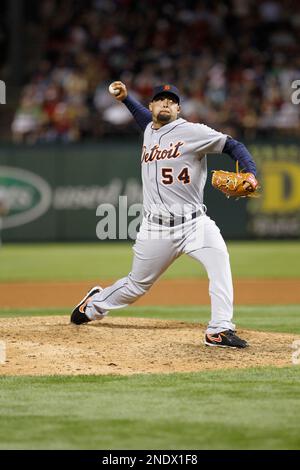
point(112, 90)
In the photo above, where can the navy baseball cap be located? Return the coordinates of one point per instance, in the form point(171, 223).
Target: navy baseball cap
point(166, 89)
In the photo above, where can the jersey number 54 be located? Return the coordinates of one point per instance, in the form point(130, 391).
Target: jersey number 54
point(168, 178)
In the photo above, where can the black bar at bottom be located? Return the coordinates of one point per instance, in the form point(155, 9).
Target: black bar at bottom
point(137, 458)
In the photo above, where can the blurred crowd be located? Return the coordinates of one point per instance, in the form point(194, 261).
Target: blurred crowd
point(234, 62)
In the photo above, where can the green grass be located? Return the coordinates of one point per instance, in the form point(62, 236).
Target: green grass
point(249, 409)
point(283, 318)
point(43, 262)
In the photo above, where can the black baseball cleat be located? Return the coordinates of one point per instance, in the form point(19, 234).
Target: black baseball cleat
point(225, 339)
point(78, 315)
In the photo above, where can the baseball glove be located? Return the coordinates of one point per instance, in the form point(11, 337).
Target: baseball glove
point(235, 184)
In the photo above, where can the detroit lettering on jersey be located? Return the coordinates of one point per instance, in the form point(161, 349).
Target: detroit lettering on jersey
point(174, 168)
point(157, 153)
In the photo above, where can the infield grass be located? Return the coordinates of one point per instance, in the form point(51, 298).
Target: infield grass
point(55, 262)
point(248, 409)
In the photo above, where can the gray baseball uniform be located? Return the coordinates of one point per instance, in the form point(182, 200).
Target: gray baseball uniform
point(174, 166)
point(174, 173)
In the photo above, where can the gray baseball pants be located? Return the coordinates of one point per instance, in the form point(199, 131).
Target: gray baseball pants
point(156, 247)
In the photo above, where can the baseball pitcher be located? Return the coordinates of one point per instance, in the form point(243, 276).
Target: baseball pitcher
point(174, 173)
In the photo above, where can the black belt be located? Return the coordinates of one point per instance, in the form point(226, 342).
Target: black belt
point(172, 221)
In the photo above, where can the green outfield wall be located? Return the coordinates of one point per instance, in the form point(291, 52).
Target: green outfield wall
point(51, 193)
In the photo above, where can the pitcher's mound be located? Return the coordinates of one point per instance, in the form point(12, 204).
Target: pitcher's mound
point(51, 345)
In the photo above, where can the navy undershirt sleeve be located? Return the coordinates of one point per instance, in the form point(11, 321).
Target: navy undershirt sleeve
point(141, 114)
point(238, 152)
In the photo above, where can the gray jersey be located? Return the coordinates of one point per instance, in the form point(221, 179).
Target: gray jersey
point(174, 168)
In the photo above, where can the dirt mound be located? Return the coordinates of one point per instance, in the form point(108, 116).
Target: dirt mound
point(50, 345)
